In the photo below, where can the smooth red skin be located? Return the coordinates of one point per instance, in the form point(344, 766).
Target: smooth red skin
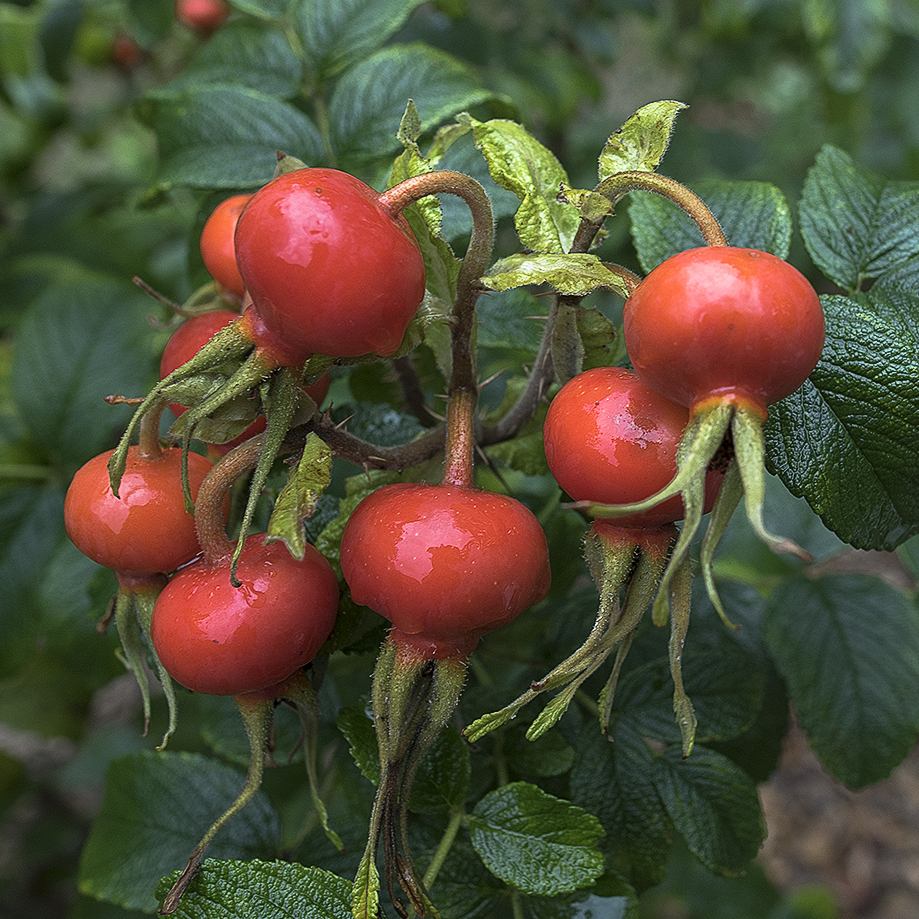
point(329, 270)
point(444, 564)
point(202, 16)
point(725, 324)
point(217, 247)
point(222, 640)
point(185, 343)
point(611, 439)
point(146, 530)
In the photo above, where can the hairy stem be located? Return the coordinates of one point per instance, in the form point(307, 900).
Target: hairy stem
point(617, 186)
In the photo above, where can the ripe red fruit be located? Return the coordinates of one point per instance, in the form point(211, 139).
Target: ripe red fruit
point(202, 16)
point(216, 244)
point(190, 337)
point(330, 270)
point(610, 439)
point(146, 529)
point(445, 564)
point(724, 323)
point(215, 638)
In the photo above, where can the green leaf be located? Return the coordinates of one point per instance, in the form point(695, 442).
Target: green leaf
point(908, 554)
point(848, 648)
point(642, 141)
point(357, 726)
point(31, 527)
point(157, 806)
point(300, 495)
point(369, 100)
point(547, 755)
point(713, 805)
point(226, 136)
point(576, 274)
point(856, 224)
point(463, 156)
point(519, 163)
point(725, 686)
point(537, 843)
point(443, 776)
point(845, 441)
point(752, 214)
point(223, 731)
point(510, 320)
point(614, 781)
point(262, 890)
point(526, 453)
point(464, 888)
point(78, 343)
point(336, 33)
point(245, 53)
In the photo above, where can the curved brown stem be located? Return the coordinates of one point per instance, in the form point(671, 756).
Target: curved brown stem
point(618, 185)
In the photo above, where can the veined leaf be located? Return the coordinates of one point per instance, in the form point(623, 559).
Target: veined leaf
point(369, 100)
point(157, 807)
point(262, 890)
point(753, 214)
point(227, 136)
point(336, 33)
point(846, 440)
point(536, 842)
point(848, 649)
point(642, 141)
point(519, 163)
point(576, 274)
point(856, 224)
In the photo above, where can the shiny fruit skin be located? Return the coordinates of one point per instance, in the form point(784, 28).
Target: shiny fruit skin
point(146, 530)
point(445, 564)
point(329, 270)
point(726, 324)
point(223, 640)
point(609, 439)
point(216, 243)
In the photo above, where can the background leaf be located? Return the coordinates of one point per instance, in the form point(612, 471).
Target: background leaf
point(856, 224)
point(336, 33)
point(854, 420)
point(251, 54)
point(368, 102)
point(78, 343)
point(157, 807)
point(752, 214)
point(713, 805)
point(226, 136)
point(848, 648)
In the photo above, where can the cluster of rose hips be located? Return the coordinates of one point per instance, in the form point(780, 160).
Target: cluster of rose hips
point(325, 270)
point(715, 335)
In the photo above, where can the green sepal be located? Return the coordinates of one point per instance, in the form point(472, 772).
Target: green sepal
point(280, 396)
point(145, 601)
